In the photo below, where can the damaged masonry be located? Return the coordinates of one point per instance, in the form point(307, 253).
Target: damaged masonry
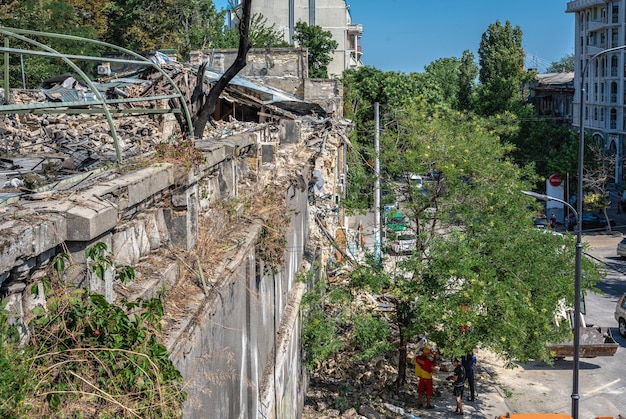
point(81, 162)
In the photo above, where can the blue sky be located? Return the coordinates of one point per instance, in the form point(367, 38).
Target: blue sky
point(406, 35)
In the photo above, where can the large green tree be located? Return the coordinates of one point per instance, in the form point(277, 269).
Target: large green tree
point(446, 73)
point(320, 45)
point(478, 276)
point(501, 75)
point(468, 71)
point(363, 87)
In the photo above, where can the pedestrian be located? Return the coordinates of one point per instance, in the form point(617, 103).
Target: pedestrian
point(553, 221)
point(469, 363)
point(458, 383)
point(424, 365)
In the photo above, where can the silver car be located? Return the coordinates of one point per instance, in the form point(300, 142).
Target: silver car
point(620, 315)
point(621, 248)
point(403, 243)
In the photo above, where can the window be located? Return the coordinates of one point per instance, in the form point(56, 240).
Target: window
point(613, 92)
point(602, 39)
point(602, 97)
point(614, 66)
point(613, 118)
point(615, 13)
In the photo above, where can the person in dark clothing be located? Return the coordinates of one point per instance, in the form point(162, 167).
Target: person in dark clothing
point(469, 363)
point(458, 383)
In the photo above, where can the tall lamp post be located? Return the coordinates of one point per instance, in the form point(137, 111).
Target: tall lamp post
point(579, 206)
point(577, 286)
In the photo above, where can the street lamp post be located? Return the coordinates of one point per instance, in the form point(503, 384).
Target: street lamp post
point(579, 211)
point(577, 284)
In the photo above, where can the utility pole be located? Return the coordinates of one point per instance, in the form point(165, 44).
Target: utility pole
point(377, 184)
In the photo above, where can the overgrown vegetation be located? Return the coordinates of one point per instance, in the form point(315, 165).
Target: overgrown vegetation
point(271, 207)
point(86, 357)
point(180, 150)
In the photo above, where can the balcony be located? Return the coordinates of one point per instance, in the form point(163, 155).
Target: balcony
point(595, 49)
point(577, 5)
point(595, 25)
point(355, 30)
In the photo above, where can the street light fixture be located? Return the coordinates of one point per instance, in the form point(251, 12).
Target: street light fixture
point(577, 284)
point(579, 206)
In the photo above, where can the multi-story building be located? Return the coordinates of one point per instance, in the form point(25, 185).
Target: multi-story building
point(600, 54)
point(331, 15)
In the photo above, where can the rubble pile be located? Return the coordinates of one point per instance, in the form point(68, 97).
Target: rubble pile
point(26, 134)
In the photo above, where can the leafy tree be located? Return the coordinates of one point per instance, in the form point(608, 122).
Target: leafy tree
point(144, 25)
point(566, 63)
point(446, 72)
point(320, 45)
point(598, 173)
point(552, 147)
point(501, 74)
point(478, 276)
point(261, 35)
point(200, 25)
point(468, 71)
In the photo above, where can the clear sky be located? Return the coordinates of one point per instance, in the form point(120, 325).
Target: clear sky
point(406, 35)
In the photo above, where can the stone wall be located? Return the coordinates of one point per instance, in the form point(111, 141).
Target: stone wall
point(235, 338)
point(282, 68)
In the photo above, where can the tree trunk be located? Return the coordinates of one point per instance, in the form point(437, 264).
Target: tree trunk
point(402, 359)
point(403, 313)
point(202, 117)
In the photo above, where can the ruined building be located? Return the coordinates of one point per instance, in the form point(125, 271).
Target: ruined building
point(81, 166)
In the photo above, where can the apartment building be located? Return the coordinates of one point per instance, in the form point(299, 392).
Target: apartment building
point(331, 15)
point(600, 53)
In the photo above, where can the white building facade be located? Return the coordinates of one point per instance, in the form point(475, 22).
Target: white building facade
point(331, 15)
point(600, 25)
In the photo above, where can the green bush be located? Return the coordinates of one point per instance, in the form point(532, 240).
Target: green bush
point(87, 357)
point(371, 336)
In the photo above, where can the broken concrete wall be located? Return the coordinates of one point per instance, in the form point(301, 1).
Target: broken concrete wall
point(241, 358)
point(282, 68)
point(236, 341)
point(327, 93)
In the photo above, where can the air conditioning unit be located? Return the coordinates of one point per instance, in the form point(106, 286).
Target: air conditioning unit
point(104, 69)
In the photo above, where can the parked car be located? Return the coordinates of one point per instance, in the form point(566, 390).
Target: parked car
point(404, 243)
point(621, 248)
point(620, 315)
point(591, 221)
point(541, 222)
